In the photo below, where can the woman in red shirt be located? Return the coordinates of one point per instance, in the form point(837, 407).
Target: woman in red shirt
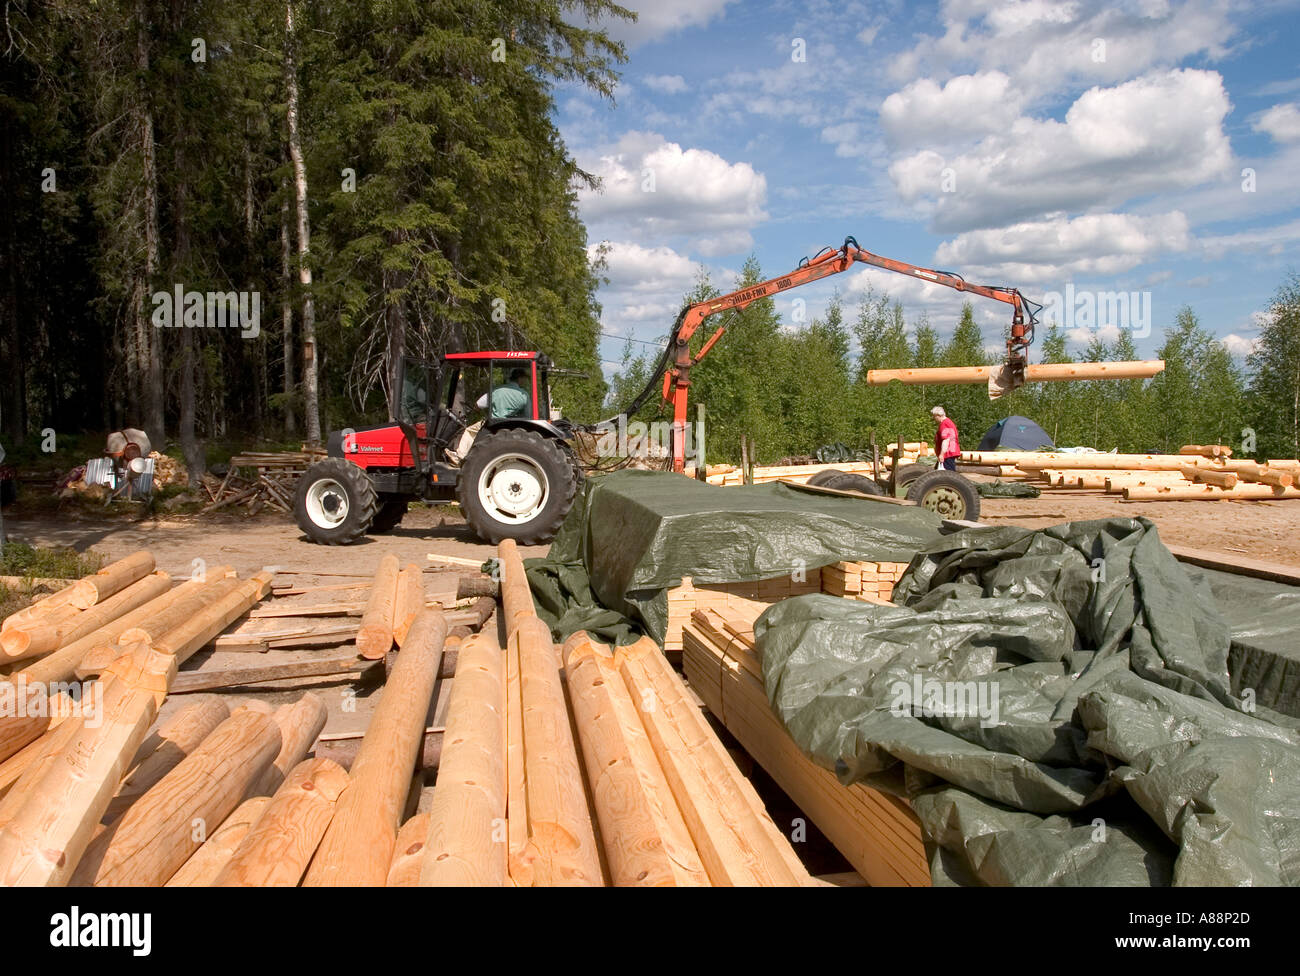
point(945, 439)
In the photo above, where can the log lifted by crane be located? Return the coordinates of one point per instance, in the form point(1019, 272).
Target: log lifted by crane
point(1000, 382)
point(1016, 370)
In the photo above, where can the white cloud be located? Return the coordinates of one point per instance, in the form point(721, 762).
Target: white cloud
point(926, 112)
point(1051, 46)
point(1238, 345)
point(1063, 247)
point(631, 267)
point(657, 19)
point(1282, 122)
point(694, 192)
point(666, 84)
point(1159, 132)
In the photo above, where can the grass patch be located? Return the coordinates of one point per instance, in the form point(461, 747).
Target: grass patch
point(29, 562)
point(20, 559)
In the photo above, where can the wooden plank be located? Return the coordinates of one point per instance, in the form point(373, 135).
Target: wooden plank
point(192, 681)
point(1240, 565)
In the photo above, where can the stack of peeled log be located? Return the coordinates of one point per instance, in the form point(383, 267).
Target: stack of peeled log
point(661, 802)
point(1196, 472)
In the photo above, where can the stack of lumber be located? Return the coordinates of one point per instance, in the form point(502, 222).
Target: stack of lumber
point(685, 599)
point(878, 834)
point(273, 476)
point(1197, 472)
point(872, 582)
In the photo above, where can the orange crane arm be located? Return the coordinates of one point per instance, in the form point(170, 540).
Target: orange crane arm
point(827, 262)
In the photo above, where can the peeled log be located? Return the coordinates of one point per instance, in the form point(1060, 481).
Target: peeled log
point(1206, 450)
point(205, 626)
point(646, 840)
point(162, 752)
point(561, 842)
point(725, 822)
point(1034, 373)
point(156, 836)
point(1249, 471)
point(358, 846)
point(409, 602)
point(1208, 493)
point(185, 609)
point(516, 597)
point(29, 640)
point(64, 663)
point(206, 863)
point(275, 853)
point(65, 795)
point(375, 635)
point(1220, 479)
point(466, 843)
point(300, 724)
point(408, 853)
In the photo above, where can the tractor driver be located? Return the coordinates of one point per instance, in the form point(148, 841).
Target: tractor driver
point(510, 399)
point(945, 439)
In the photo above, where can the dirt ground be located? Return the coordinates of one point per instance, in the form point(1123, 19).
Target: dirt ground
point(1259, 529)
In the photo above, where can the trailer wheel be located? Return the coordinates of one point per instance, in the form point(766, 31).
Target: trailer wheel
point(947, 494)
point(908, 473)
point(847, 481)
point(516, 484)
point(823, 479)
point(335, 502)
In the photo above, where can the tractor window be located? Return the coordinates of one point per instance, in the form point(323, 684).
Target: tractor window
point(414, 402)
point(512, 389)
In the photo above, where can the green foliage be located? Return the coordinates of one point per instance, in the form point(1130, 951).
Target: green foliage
point(1273, 403)
point(20, 559)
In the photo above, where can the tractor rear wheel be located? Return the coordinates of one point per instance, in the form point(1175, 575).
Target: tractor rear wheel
point(516, 484)
point(335, 502)
point(389, 516)
point(947, 494)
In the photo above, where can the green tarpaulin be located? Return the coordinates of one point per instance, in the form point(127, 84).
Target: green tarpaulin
point(632, 535)
point(1057, 706)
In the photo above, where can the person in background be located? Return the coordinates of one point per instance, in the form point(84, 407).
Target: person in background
point(510, 399)
point(946, 446)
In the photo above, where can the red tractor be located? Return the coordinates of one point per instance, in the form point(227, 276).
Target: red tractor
point(513, 472)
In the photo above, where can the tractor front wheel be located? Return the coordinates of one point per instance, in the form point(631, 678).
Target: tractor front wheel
point(335, 502)
point(516, 484)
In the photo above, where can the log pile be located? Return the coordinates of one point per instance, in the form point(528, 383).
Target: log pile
point(269, 480)
point(1196, 472)
point(911, 452)
point(594, 766)
point(878, 834)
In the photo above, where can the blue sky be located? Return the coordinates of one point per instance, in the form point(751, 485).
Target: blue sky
point(1038, 144)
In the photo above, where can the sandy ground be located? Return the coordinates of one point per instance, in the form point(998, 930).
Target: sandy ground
point(1259, 529)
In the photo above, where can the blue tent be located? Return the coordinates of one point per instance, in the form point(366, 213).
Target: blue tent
point(1015, 434)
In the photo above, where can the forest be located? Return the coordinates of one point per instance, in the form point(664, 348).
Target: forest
point(343, 184)
point(368, 179)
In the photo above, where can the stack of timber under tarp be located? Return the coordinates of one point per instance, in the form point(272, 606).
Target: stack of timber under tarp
point(1196, 473)
point(1032, 683)
point(633, 536)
